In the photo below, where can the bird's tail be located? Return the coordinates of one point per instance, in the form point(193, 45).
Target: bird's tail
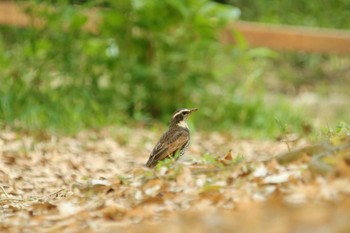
point(150, 163)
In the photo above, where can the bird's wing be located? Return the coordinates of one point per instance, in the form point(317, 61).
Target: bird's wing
point(167, 145)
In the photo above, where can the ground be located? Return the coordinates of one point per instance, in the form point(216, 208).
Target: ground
point(96, 182)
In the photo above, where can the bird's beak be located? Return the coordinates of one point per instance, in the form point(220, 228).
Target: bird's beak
point(193, 110)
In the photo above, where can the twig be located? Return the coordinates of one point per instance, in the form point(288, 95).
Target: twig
point(12, 199)
point(296, 154)
point(2, 188)
point(320, 167)
point(54, 193)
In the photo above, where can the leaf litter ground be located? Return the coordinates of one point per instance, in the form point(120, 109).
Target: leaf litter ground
point(96, 182)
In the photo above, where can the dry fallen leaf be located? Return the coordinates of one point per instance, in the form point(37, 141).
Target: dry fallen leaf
point(97, 182)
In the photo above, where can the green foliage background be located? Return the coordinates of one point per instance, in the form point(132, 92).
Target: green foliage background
point(147, 59)
point(324, 13)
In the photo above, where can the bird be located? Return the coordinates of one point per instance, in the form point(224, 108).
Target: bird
point(175, 140)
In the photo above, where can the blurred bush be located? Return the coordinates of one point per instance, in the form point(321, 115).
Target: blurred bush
point(326, 13)
point(147, 59)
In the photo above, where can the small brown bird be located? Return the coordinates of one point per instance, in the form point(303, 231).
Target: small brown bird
point(176, 139)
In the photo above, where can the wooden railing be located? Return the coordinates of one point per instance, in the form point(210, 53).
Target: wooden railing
point(293, 38)
point(280, 37)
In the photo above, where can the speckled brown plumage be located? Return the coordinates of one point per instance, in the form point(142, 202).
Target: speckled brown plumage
point(175, 139)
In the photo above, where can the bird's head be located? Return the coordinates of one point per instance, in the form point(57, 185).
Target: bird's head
point(180, 116)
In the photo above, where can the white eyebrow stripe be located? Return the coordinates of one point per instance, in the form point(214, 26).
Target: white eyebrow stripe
point(181, 111)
